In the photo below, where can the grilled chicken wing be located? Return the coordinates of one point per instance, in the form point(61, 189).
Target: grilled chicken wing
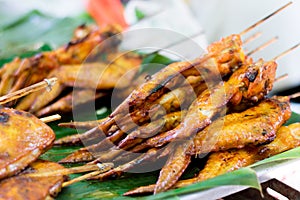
point(23, 138)
point(23, 186)
point(254, 126)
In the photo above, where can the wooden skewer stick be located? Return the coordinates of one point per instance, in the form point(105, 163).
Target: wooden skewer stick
point(50, 118)
point(280, 78)
point(105, 168)
point(252, 37)
point(266, 44)
point(264, 19)
point(293, 96)
point(74, 170)
point(83, 177)
point(286, 52)
point(47, 83)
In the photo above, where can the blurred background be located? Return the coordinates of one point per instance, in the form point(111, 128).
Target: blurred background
point(30, 25)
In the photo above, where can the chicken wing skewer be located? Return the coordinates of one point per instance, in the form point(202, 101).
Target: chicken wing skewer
point(269, 114)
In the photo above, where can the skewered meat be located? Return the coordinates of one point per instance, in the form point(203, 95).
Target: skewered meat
point(135, 137)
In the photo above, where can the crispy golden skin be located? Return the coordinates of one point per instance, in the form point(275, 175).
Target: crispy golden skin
point(23, 138)
point(250, 82)
point(162, 124)
point(174, 167)
point(220, 61)
point(36, 101)
point(100, 75)
point(287, 137)
point(23, 186)
point(254, 126)
point(222, 162)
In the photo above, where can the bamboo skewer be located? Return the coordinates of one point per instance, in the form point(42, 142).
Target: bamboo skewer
point(74, 170)
point(253, 37)
point(50, 118)
point(286, 52)
point(263, 46)
point(81, 178)
point(280, 78)
point(295, 95)
point(104, 168)
point(47, 83)
point(264, 19)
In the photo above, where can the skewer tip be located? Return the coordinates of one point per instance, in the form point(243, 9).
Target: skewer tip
point(286, 52)
point(266, 44)
point(50, 118)
point(253, 37)
point(265, 18)
point(280, 78)
point(294, 96)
